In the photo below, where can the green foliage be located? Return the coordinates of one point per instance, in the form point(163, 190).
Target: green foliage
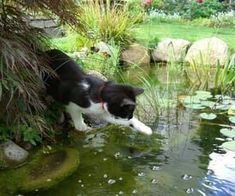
point(30, 135)
point(153, 41)
point(203, 10)
point(5, 133)
point(221, 78)
point(105, 22)
point(106, 65)
point(191, 9)
point(136, 10)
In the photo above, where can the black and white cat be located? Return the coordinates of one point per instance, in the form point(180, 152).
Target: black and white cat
point(86, 94)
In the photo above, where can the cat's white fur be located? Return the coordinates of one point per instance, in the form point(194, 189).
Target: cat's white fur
point(101, 111)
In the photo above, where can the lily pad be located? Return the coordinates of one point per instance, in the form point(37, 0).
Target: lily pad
point(203, 95)
point(232, 119)
point(228, 132)
point(192, 100)
point(231, 110)
point(209, 104)
point(203, 92)
point(208, 116)
point(221, 107)
point(222, 97)
point(229, 145)
point(195, 106)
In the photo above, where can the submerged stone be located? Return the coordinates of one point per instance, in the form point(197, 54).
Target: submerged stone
point(41, 172)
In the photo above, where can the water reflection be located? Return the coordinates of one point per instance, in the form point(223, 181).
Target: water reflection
point(221, 178)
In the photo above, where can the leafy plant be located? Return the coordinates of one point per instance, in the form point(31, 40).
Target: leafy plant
point(30, 135)
point(106, 22)
point(220, 77)
point(107, 65)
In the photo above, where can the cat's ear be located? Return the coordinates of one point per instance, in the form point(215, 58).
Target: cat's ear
point(137, 91)
point(126, 102)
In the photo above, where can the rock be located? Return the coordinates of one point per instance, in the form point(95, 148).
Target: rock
point(97, 74)
point(46, 168)
point(169, 50)
point(135, 54)
point(104, 48)
point(208, 51)
point(50, 26)
point(13, 153)
point(82, 54)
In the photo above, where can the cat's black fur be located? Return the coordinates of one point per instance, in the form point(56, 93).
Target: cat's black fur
point(70, 86)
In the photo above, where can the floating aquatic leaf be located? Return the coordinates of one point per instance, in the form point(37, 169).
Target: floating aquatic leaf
point(195, 106)
point(208, 116)
point(222, 97)
point(228, 132)
point(155, 168)
point(229, 145)
point(203, 95)
point(210, 104)
point(189, 190)
point(203, 92)
point(222, 107)
point(186, 177)
point(154, 181)
point(192, 100)
point(232, 119)
point(227, 102)
point(141, 174)
point(111, 181)
point(231, 110)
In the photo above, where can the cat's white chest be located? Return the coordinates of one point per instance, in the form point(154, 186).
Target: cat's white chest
point(93, 109)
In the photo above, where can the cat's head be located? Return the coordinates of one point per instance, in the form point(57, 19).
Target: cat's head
point(121, 99)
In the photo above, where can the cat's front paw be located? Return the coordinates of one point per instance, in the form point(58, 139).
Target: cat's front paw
point(82, 127)
point(146, 130)
point(141, 127)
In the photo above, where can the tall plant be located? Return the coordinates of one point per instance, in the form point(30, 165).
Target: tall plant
point(21, 65)
point(106, 22)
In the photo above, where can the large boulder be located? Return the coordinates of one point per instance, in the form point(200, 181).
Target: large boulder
point(169, 50)
point(136, 54)
point(208, 51)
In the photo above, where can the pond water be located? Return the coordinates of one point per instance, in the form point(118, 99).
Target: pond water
point(183, 156)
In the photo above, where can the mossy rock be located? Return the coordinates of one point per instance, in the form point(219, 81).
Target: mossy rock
point(43, 171)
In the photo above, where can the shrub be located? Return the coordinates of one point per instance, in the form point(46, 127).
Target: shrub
point(191, 9)
point(203, 10)
point(22, 67)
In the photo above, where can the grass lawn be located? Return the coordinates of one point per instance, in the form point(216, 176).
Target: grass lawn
point(148, 31)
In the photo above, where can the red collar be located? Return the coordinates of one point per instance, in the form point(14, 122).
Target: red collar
point(99, 95)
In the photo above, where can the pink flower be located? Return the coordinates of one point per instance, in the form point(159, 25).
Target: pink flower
point(199, 1)
point(147, 2)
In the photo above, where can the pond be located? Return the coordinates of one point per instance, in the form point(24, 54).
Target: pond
point(183, 156)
